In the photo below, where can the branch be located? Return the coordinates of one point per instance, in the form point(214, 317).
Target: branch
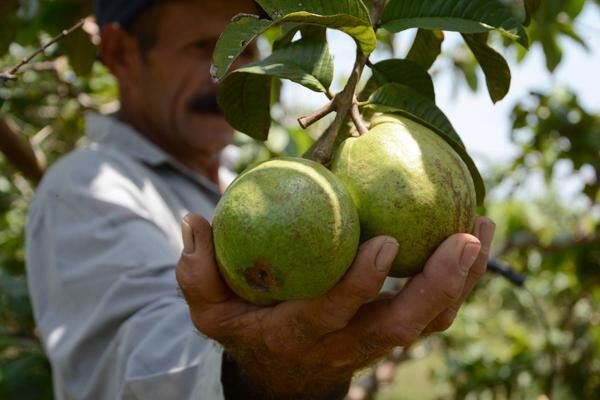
point(322, 151)
point(307, 121)
point(529, 241)
point(11, 74)
point(19, 153)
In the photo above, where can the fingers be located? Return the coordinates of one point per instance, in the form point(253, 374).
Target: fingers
point(403, 319)
point(361, 284)
point(197, 272)
point(484, 230)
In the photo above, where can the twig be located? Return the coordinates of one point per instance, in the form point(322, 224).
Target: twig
point(12, 73)
point(525, 242)
point(307, 121)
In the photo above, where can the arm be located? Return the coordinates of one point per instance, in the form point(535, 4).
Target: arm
point(311, 349)
point(102, 278)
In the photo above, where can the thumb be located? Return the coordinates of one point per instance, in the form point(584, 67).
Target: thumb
point(197, 271)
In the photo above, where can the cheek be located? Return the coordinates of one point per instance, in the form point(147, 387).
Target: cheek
point(210, 133)
point(157, 93)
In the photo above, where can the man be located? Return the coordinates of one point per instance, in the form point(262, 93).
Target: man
point(103, 244)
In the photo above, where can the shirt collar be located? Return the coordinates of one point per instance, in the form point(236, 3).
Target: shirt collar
point(111, 132)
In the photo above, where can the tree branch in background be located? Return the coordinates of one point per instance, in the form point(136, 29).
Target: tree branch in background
point(19, 152)
point(526, 241)
point(12, 73)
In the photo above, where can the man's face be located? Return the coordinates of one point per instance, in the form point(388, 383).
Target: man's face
point(175, 84)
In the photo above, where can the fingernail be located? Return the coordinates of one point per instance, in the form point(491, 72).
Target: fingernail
point(486, 233)
point(188, 237)
point(468, 257)
point(386, 255)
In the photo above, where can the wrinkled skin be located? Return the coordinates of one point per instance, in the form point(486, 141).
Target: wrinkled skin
point(285, 230)
point(407, 183)
point(311, 348)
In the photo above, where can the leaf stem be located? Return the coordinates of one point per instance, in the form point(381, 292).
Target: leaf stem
point(12, 73)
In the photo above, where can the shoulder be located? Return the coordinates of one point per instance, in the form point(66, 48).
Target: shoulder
point(92, 174)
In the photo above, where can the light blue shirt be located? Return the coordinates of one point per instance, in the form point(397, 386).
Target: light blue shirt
point(103, 239)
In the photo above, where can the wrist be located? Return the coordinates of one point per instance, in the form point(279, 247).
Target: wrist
point(253, 380)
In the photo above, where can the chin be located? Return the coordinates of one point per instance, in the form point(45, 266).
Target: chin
point(209, 133)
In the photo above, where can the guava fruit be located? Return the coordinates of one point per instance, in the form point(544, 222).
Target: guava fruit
point(285, 230)
point(407, 182)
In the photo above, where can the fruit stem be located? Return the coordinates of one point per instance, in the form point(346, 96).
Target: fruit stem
point(357, 119)
point(322, 151)
point(343, 103)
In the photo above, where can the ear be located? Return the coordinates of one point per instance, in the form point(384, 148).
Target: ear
point(119, 51)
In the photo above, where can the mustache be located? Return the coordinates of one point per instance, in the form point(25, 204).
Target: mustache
point(205, 103)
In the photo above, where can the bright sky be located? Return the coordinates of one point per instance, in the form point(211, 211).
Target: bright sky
point(485, 127)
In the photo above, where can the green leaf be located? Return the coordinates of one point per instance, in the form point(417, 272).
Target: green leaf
point(246, 28)
point(531, 7)
point(574, 8)
point(466, 16)
point(246, 105)
point(245, 101)
point(426, 48)
point(359, 29)
point(288, 32)
point(394, 97)
point(349, 16)
point(567, 30)
point(7, 342)
point(306, 62)
point(401, 99)
point(467, 69)
point(404, 72)
point(553, 52)
point(81, 51)
point(236, 37)
point(495, 67)
point(278, 8)
point(9, 25)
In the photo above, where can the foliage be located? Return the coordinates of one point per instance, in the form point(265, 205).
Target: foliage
point(505, 343)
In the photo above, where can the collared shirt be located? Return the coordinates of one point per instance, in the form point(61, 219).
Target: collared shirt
point(103, 238)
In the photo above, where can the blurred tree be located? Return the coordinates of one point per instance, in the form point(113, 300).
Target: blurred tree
point(508, 343)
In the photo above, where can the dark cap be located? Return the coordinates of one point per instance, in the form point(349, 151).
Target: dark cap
point(119, 11)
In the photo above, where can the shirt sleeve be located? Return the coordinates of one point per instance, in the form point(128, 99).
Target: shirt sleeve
point(102, 279)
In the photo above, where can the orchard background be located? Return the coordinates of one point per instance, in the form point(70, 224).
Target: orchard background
point(540, 340)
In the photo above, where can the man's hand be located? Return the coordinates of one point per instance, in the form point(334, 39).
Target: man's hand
point(311, 348)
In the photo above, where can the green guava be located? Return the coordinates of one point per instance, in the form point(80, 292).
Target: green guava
point(285, 230)
point(407, 182)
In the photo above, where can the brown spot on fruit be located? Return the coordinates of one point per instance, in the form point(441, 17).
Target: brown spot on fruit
point(260, 276)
